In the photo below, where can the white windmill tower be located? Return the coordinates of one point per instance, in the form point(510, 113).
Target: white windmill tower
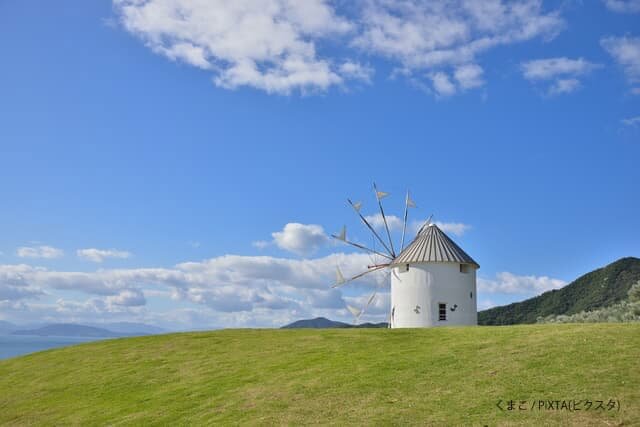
point(433, 281)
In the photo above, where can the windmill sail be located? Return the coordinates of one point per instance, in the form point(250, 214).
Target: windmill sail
point(364, 220)
point(371, 298)
point(359, 246)
point(408, 204)
point(375, 265)
point(340, 280)
point(381, 194)
point(384, 218)
point(355, 311)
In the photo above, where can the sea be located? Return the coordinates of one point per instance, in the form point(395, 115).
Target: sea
point(17, 345)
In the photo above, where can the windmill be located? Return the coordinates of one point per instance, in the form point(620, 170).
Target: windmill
point(387, 251)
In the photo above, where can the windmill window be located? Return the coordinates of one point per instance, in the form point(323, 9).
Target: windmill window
point(471, 295)
point(464, 268)
point(442, 311)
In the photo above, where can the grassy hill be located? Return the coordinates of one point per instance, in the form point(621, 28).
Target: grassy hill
point(600, 288)
point(438, 376)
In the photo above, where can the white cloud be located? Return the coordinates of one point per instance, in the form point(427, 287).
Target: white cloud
point(626, 52)
point(281, 46)
point(301, 239)
point(509, 283)
point(443, 35)
point(469, 76)
point(464, 77)
point(250, 281)
point(546, 69)
point(561, 86)
point(357, 71)
point(13, 286)
point(43, 251)
point(631, 121)
point(442, 84)
point(395, 224)
point(623, 6)
point(265, 44)
point(128, 297)
point(436, 33)
point(456, 228)
point(376, 221)
point(99, 255)
point(563, 72)
point(231, 290)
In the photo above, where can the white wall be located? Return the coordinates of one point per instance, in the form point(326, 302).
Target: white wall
point(428, 284)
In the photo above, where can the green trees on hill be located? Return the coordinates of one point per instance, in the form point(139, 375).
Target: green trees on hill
point(625, 311)
point(600, 288)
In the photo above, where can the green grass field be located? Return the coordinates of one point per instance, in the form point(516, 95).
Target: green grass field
point(441, 376)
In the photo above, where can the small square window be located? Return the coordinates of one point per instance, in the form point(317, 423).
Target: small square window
point(464, 268)
point(442, 311)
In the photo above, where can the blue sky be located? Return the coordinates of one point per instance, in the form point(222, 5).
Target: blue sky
point(151, 149)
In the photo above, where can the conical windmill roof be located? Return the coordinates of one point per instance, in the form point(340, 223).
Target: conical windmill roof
point(432, 245)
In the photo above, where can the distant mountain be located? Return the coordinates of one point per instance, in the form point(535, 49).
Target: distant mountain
point(70, 330)
point(597, 289)
point(324, 323)
point(129, 328)
point(6, 327)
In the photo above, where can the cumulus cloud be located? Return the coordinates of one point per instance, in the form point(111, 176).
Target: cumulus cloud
point(469, 76)
point(394, 222)
point(464, 77)
point(626, 52)
point(509, 283)
point(99, 255)
point(43, 251)
point(357, 71)
point(229, 290)
point(442, 85)
point(266, 44)
point(226, 283)
point(447, 37)
point(280, 46)
point(301, 239)
point(623, 6)
point(562, 72)
point(456, 228)
point(13, 286)
point(128, 298)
